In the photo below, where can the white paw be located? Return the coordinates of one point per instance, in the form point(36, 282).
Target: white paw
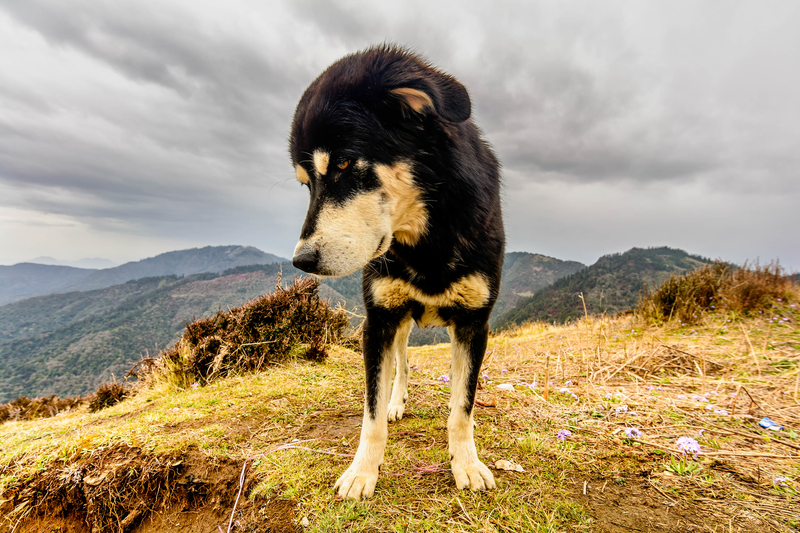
point(356, 483)
point(396, 411)
point(473, 475)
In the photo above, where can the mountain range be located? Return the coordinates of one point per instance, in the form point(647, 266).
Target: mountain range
point(26, 280)
point(67, 343)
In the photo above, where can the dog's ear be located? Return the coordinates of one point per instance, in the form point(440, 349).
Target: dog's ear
point(436, 92)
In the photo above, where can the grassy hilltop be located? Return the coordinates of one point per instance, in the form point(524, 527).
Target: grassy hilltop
point(592, 411)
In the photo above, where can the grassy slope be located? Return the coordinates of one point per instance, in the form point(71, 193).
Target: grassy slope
point(595, 480)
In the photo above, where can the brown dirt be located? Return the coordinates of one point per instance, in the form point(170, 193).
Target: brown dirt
point(334, 426)
point(126, 490)
point(623, 505)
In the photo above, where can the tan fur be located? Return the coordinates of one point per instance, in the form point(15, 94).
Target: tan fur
point(471, 291)
point(302, 175)
point(348, 235)
point(468, 470)
point(321, 161)
point(430, 318)
point(414, 98)
point(407, 210)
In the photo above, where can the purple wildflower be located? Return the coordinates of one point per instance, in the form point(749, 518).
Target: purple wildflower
point(781, 482)
point(687, 445)
point(563, 434)
point(444, 379)
point(195, 385)
point(633, 433)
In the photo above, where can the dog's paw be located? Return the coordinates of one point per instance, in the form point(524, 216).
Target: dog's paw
point(396, 411)
point(473, 475)
point(356, 483)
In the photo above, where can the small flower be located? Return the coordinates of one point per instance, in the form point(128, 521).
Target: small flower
point(687, 445)
point(621, 409)
point(633, 433)
point(722, 412)
point(195, 385)
point(564, 390)
point(563, 434)
point(681, 397)
point(504, 371)
point(701, 432)
point(568, 383)
point(781, 482)
point(415, 367)
point(443, 379)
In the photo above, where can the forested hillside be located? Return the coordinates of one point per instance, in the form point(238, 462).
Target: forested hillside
point(611, 285)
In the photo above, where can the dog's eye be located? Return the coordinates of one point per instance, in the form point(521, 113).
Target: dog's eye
point(343, 164)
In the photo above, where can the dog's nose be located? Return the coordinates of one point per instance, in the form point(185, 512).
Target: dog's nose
point(307, 260)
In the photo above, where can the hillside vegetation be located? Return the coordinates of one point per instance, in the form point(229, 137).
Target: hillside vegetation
point(26, 280)
point(608, 424)
point(611, 285)
point(85, 339)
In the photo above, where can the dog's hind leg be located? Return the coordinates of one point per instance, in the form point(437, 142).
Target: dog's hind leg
point(468, 348)
point(380, 332)
point(397, 404)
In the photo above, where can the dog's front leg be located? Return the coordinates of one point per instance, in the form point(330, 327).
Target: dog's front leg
point(397, 403)
point(358, 481)
point(468, 347)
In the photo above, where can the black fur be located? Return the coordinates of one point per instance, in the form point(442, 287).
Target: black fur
point(350, 112)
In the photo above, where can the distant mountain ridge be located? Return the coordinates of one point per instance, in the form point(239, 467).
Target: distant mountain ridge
point(611, 285)
point(94, 263)
point(27, 280)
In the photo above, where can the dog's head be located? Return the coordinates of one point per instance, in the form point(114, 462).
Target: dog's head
point(356, 137)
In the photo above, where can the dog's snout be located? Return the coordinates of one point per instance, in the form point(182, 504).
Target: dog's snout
point(307, 259)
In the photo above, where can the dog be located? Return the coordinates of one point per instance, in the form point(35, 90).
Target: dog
point(402, 185)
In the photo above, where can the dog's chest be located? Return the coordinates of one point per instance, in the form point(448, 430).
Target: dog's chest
point(469, 292)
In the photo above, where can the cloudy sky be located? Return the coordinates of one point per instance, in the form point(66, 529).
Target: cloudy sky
point(131, 128)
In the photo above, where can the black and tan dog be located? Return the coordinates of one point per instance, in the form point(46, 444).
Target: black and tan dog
point(402, 185)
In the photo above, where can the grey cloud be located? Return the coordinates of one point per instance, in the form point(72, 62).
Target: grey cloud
point(623, 99)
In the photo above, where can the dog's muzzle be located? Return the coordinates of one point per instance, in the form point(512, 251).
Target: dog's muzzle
point(306, 258)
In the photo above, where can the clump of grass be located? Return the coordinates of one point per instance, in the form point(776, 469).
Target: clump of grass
point(289, 322)
point(106, 395)
point(24, 408)
point(717, 286)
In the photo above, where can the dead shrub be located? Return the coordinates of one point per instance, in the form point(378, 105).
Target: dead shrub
point(291, 322)
point(24, 408)
point(717, 286)
point(106, 395)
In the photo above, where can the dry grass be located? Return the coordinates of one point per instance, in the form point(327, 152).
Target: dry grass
point(717, 286)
